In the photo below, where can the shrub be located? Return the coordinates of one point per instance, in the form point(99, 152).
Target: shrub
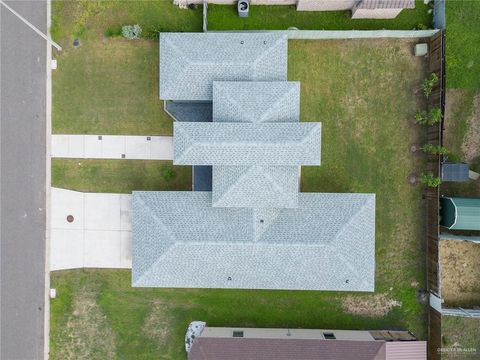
point(113, 31)
point(421, 117)
point(168, 174)
point(421, 26)
point(434, 116)
point(434, 149)
point(131, 32)
point(430, 180)
point(428, 84)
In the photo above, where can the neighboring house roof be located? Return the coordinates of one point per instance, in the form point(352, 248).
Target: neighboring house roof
point(264, 144)
point(190, 62)
point(386, 4)
point(215, 348)
point(327, 243)
point(402, 350)
point(256, 102)
point(255, 186)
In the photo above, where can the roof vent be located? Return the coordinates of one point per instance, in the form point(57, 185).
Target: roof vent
point(261, 221)
point(229, 278)
point(241, 42)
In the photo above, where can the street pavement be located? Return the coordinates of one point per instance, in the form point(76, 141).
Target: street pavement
point(23, 181)
point(113, 147)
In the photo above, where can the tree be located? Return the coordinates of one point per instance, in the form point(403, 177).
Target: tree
point(434, 116)
point(428, 84)
point(430, 180)
point(131, 32)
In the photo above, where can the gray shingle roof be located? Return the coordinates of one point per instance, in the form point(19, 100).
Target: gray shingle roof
point(256, 102)
point(255, 186)
point(327, 243)
point(285, 144)
point(190, 62)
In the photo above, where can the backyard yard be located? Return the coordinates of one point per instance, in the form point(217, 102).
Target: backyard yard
point(460, 273)
point(225, 17)
point(462, 116)
point(365, 95)
point(460, 338)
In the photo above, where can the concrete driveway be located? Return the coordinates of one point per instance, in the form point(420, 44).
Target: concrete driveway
point(112, 147)
point(90, 230)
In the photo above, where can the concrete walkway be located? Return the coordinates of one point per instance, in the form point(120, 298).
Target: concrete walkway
point(112, 147)
point(90, 230)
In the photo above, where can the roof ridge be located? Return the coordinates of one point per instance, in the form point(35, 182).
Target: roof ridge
point(270, 48)
point(280, 189)
point(345, 226)
point(270, 109)
point(159, 222)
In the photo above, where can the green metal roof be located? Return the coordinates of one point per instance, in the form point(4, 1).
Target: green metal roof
point(460, 213)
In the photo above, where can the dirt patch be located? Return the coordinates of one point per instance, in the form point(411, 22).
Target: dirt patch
point(158, 324)
point(377, 305)
point(471, 143)
point(87, 334)
point(460, 272)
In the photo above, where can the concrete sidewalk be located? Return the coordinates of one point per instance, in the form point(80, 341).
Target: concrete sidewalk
point(112, 147)
point(90, 230)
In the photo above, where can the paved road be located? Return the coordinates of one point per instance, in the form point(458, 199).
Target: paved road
point(23, 176)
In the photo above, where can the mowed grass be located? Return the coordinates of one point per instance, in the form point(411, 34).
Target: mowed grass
point(119, 176)
point(460, 333)
point(109, 85)
point(281, 17)
point(462, 50)
point(462, 116)
point(360, 92)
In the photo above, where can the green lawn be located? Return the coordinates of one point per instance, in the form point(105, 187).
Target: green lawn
point(463, 37)
point(109, 85)
point(366, 105)
point(281, 17)
point(462, 116)
point(460, 333)
point(119, 176)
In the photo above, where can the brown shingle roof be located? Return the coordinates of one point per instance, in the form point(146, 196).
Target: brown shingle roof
point(218, 348)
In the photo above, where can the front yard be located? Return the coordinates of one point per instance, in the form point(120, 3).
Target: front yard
point(364, 93)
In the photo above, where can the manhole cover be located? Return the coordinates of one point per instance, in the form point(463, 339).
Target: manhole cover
point(70, 218)
point(413, 179)
point(76, 42)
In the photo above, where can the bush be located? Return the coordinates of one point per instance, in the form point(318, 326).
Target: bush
point(428, 84)
point(434, 149)
point(430, 180)
point(168, 174)
point(131, 32)
point(421, 117)
point(431, 118)
point(434, 116)
point(113, 31)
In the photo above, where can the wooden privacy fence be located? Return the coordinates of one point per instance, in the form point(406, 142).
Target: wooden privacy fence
point(435, 137)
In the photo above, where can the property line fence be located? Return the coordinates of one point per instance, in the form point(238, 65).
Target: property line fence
point(347, 34)
point(435, 137)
